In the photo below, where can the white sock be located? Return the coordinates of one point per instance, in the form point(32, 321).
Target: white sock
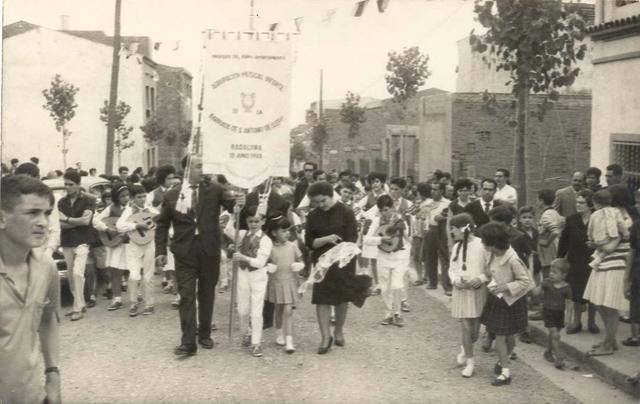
point(280, 332)
point(506, 373)
point(470, 362)
point(117, 299)
point(289, 339)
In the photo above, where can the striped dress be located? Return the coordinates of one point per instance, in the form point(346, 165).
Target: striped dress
point(606, 283)
point(468, 303)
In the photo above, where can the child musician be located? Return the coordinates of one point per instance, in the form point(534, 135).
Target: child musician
point(388, 232)
point(140, 257)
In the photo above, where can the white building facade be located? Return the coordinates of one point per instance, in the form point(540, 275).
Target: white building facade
point(32, 56)
point(615, 130)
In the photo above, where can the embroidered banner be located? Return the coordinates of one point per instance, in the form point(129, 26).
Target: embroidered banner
point(245, 117)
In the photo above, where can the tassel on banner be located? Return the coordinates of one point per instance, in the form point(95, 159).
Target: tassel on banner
point(273, 27)
point(360, 6)
point(156, 46)
point(298, 22)
point(382, 5)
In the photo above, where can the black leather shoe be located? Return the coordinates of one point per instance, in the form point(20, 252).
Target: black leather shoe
point(185, 350)
point(206, 343)
point(323, 350)
point(575, 329)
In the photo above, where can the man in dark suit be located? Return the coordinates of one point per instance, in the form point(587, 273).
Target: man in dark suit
point(303, 184)
point(565, 202)
point(479, 209)
point(196, 247)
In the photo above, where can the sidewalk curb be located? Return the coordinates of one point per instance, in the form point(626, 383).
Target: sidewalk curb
point(605, 372)
point(540, 335)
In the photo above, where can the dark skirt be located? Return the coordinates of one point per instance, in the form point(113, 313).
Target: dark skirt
point(577, 278)
point(341, 285)
point(502, 319)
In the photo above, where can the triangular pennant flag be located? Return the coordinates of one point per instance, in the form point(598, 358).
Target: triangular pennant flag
point(329, 15)
point(360, 6)
point(156, 46)
point(298, 22)
point(382, 5)
point(273, 26)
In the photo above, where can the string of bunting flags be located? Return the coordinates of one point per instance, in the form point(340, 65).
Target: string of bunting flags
point(358, 10)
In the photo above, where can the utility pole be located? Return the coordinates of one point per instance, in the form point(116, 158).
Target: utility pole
point(320, 110)
point(113, 93)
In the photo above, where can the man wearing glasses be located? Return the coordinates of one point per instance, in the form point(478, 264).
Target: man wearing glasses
point(76, 210)
point(301, 187)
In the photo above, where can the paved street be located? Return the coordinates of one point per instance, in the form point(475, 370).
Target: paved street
point(109, 357)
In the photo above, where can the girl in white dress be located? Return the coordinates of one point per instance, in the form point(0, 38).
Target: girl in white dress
point(467, 271)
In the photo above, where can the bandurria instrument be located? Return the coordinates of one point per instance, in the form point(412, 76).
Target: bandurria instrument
point(143, 237)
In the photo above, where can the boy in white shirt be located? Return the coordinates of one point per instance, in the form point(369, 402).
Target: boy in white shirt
point(388, 232)
point(140, 257)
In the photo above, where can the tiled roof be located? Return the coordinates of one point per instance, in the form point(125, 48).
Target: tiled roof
point(17, 28)
point(615, 25)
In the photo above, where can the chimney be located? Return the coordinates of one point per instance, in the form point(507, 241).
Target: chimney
point(65, 22)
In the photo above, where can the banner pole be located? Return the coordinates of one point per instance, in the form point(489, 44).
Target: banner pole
point(234, 274)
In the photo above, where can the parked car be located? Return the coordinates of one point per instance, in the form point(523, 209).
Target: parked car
point(94, 186)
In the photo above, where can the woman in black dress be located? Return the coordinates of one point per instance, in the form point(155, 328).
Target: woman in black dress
point(327, 225)
point(573, 247)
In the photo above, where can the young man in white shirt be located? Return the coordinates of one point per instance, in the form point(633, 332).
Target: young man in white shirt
point(505, 193)
point(434, 243)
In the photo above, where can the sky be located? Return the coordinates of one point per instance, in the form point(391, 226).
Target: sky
point(351, 51)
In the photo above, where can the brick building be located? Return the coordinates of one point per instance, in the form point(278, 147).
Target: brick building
point(378, 145)
point(173, 112)
point(460, 133)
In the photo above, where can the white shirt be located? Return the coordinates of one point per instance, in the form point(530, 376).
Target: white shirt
point(436, 208)
point(507, 194)
point(124, 225)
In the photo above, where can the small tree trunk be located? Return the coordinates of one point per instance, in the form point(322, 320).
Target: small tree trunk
point(65, 136)
point(523, 114)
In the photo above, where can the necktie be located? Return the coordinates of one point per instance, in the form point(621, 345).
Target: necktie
point(487, 207)
point(194, 198)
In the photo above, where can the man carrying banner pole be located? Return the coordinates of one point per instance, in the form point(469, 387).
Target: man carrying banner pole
point(194, 212)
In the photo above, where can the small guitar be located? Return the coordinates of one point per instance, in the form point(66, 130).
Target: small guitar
point(143, 237)
point(109, 240)
point(395, 230)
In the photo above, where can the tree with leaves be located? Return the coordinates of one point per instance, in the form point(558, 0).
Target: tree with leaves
point(153, 131)
point(352, 113)
point(538, 43)
point(122, 131)
point(407, 72)
point(61, 104)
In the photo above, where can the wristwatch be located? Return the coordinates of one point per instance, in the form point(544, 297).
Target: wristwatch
point(52, 369)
